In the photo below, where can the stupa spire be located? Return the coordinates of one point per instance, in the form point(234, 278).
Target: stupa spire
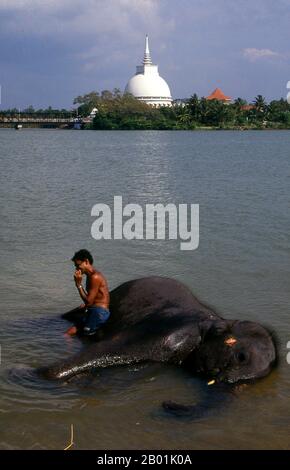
point(147, 85)
point(147, 58)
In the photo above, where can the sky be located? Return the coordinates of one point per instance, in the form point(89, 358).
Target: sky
point(54, 50)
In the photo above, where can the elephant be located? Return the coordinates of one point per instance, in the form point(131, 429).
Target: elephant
point(158, 319)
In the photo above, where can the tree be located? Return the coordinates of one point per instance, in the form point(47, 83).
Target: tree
point(29, 110)
point(87, 102)
point(117, 93)
point(239, 103)
point(260, 108)
point(183, 118)
point(107, 95)
point(194, 107)
point(278, 110)
point(213, 112)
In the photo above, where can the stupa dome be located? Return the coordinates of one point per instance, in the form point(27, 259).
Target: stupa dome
point(147, 85)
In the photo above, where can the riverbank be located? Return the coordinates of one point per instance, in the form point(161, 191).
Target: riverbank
point(60, 126)
point(114, 111)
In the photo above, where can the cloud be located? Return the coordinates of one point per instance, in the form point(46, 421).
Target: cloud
point(45, 17)
point(68, 47)
point(24, 4)
point(253, 54)
point(97, 29)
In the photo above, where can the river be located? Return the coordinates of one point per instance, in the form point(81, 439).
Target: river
point(50, 180)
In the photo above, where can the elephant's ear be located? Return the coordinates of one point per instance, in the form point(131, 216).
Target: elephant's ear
point(180, 343)
point(215, 328)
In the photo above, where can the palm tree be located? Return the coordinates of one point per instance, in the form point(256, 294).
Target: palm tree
point(239, 102)
point(260, 104)
point(184, 116)
point(261, 107)
point(194, 107)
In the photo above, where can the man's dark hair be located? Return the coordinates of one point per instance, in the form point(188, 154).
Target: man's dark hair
point(82, 255)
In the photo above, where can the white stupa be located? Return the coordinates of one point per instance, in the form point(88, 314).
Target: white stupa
point(147, 85)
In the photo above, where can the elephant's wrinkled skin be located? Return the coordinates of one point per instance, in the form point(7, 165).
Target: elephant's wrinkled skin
point(158, 319)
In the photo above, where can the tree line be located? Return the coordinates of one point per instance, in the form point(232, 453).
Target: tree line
point(117, 110)
point(122, 111)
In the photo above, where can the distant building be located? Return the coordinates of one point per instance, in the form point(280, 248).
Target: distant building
point(247, 107)
point(93, 113)
point(147, 85)
point(219, 95)
point(182, 102)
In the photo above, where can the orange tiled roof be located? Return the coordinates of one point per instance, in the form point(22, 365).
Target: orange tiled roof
point(217, 94)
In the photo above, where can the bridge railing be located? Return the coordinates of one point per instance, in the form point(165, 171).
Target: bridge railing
point(35, 119)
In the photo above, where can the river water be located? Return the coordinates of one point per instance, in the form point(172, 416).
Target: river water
point(50, 180)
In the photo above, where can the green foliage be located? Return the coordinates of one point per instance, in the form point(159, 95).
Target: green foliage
point(117, 111)
point(122, 111)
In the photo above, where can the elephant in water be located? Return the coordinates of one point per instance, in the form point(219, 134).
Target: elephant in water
point(158, 319)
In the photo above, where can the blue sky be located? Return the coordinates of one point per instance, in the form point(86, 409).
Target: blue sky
point(54, 50)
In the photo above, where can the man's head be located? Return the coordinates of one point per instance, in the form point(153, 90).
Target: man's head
point(82, 260)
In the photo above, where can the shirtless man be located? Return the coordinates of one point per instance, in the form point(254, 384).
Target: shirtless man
point(95, 296)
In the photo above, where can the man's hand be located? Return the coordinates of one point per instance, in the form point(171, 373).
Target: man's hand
point(78, 277)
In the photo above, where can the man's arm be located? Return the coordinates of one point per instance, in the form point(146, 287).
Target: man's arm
point(82, 293)
point(88, 298)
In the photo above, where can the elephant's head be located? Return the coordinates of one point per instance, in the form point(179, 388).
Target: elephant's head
point(234, 351)
point(230, 352)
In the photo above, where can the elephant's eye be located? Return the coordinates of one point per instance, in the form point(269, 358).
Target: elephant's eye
point(241, 357)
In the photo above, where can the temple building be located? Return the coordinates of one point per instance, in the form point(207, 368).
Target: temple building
point(219, 95)
point(147, 85)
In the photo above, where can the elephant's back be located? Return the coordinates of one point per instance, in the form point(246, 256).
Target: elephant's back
point(135, 300)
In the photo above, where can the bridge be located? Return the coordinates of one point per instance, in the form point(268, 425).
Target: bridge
point(45, 122)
